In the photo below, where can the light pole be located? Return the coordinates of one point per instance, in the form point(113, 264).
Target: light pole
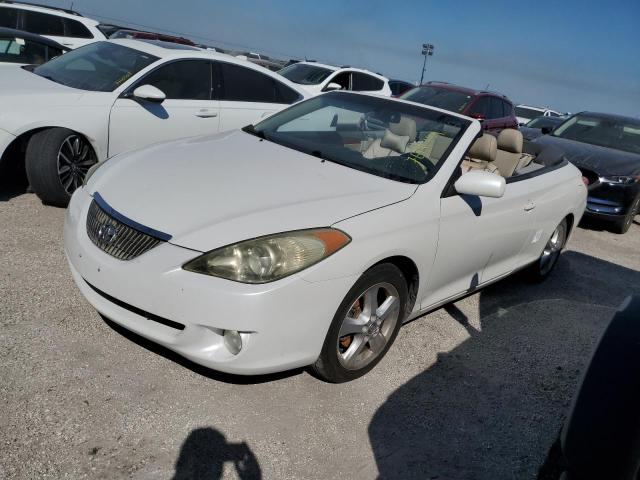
point(427, 51)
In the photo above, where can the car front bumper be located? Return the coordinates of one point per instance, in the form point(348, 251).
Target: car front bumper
point(283, 324)
point(612, 201)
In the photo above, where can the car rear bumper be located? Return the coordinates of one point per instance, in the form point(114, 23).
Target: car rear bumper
point(283, 324)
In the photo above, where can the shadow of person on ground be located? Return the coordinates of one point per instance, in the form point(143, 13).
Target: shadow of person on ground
point(491, 407)
point(206, 450)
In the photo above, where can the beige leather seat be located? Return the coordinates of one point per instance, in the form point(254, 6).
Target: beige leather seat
point(395, 139)
point(509, 151)
point(481, 155)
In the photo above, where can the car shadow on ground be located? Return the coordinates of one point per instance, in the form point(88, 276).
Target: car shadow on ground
point(206, 450)
point(492, 407)
point(194, 367)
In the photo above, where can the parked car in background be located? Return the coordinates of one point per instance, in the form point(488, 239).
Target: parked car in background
point(66, 27)
point(111, 96)
point(524, 113)
point(142, 35)
point(264, 61)
point(317, 78)
point(398, 87)
point(24, 48)
point(319, 243)
point(540, 126)
point(494, 110)
point(606, 148)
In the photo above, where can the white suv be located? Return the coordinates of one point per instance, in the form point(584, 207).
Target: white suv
point(317, 78)
point(61, 118)
point(66, 27)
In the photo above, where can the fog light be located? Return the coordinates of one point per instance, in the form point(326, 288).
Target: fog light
point(233, 341)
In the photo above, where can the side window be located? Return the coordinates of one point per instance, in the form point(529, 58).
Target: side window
point(18, 50)
point(508, 108)
point(481, 107)
point(8, 17)
point(343, 79)
point(53, 53)
point(362, 82)
point(43, 23)
point(244, 84)
point(495, 108)
point(554, 114)
point(182, 80)
point(75, 29)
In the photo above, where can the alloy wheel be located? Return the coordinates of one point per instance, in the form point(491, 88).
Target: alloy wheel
point(552, 249)
point(75, 158)
point(368, 326)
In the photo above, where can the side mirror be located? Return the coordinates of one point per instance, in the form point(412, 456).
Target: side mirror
point(331, 87)
point(546, 130)
point(149, 93)
point(481, 184)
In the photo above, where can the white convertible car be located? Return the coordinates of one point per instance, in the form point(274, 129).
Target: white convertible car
point(276, 247)
point(108, 97)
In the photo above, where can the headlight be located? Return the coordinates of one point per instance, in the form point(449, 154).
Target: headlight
point(270, 258)
point(90, 172)
point(621, 179)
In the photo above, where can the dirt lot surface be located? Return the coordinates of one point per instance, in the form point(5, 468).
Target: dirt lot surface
point(475, 390)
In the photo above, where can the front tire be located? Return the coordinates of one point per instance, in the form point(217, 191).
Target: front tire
point(622, 226)
point(57, 161)
point(548, 259)
point(364, 326)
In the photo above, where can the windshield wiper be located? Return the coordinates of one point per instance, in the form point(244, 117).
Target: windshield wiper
point(252, 130)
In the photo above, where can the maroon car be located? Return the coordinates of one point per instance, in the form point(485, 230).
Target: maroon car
point(494, 110)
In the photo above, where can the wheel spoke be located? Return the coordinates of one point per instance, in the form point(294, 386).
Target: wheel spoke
point(370, 301)
point(64, 169)
point(64, 158)
point(377, 343)
point(356, 347)
point(76, 146)
point(350, 326)
point(68, 183)
point(391, 304)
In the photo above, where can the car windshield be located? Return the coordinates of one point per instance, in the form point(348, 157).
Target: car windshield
point(379, 136)
point(617, 133)
point(98, 67)
point(444, 98)
point(305, 74)
point(524, 112)
point(541, 122)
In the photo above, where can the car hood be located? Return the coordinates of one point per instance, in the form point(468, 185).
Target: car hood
point(211, 191)
point(602, 160)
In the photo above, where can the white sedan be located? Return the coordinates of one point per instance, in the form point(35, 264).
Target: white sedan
point(270, 248)
point(108, 97)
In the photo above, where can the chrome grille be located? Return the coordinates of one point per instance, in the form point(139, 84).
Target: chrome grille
point(114, 236)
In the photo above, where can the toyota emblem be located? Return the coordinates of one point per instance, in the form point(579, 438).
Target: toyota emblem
point(107, 233)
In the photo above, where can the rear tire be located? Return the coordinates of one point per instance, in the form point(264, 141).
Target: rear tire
point(57, 160)
point(364, 326)
point(542, 268)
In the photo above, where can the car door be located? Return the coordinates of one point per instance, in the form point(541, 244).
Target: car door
point(188, 109)
point(247, 95)
point(480, 239)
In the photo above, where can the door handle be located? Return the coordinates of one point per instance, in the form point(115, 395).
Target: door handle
point(204, 113)
point(529, 206)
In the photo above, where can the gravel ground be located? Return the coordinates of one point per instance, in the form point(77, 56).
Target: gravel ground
point(475, 390)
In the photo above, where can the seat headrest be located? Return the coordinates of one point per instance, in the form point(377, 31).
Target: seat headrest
point(394, 142)
point(484, 148)
point(510, 140)
point(405, 127)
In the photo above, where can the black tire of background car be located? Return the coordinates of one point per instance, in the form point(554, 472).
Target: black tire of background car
point(622, 225)
point(327, 366)
point(42, 166)
point(533, 272)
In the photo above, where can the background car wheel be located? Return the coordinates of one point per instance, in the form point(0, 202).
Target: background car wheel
point(57, 160)
point(365, 325)
point(623, 225)
point(541, 269)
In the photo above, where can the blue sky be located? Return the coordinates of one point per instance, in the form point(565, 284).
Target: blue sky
point(570, 55)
